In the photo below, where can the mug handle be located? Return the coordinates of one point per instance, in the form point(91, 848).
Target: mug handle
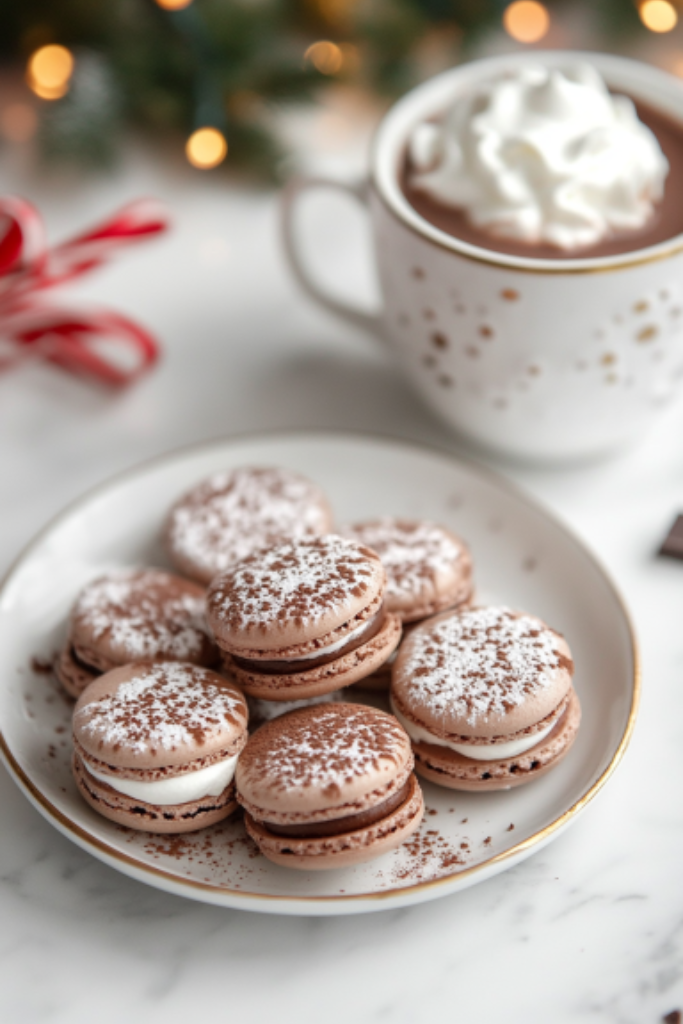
point(291, 193)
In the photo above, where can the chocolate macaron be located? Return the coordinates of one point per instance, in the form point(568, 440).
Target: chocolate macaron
point(134, 615)
point(329, 786)
point(428, 570)
point(233, 514)
point(303, 619)
point(486, 696)
point(156, 746)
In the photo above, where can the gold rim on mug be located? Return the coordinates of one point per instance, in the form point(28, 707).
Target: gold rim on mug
point(85, 840)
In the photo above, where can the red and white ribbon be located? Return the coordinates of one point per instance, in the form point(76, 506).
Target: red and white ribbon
point(100, 344)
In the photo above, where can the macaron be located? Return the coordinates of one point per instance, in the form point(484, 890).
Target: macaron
point(133, 615)
point(302, 619)
point(428, 569)
point(486, 697)
point(156, 746)
point(233, 514)
point(329, 786)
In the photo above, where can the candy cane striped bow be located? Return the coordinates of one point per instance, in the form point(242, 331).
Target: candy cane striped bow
point(97, 343)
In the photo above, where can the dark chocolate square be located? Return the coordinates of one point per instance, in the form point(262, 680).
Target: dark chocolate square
point(673, 544)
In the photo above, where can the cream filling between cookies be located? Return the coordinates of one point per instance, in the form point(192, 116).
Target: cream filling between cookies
point(179, 789)
point(322, 651)
point(476, 751)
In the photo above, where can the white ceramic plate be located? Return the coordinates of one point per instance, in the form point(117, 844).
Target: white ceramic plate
point(523, 557)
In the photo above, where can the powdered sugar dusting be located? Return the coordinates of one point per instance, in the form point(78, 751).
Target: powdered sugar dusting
point(229, 516)
point(164, 706)
point(297, 584)
point(143, 614)
point(480, 662)
point(416, 554)
point(325, 747)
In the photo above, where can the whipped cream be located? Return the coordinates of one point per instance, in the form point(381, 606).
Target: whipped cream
point(477, 751)
point(179, 789)
point(542, 156)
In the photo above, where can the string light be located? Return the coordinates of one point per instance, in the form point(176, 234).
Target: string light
point(173, 5)
point(18, 122)
point(49, 70)
point(350, 57)
point(326, 57)
point(658, 15)
point(206, 148)
point(527, 21)
point(337, 12)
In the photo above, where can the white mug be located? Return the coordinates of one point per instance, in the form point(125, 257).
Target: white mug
point(544, 359)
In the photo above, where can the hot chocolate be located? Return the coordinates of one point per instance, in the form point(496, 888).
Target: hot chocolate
point(640, 200)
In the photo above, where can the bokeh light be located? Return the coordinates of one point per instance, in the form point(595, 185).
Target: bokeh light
point(206, 148)
point(49, 70)
point(326, 57)
point(658, 15)
point(173, 5)
point(526, 21)
point(18, 122)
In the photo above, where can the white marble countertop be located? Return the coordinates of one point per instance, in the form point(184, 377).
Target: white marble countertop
point(588, 930)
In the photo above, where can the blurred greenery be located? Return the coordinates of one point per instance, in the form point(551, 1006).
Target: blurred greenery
point(230, 63)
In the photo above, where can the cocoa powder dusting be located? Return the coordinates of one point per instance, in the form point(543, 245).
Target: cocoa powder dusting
point(143, 614)
point(417, 554)
point(480, 662)
point(295, 584)
point(324, 746)
point(231, 515)
point(162, 706)
point(428, 854)
point(41, 666)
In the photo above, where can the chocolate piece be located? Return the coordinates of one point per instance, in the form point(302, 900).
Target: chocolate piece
point(673, 544)
point(340, 826)
point(672, 1017)
point(295, 665)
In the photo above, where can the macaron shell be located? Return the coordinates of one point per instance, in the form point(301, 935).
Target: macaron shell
point(137, 814)
point(451, 770)
point(343, 850)
point(322, 763)
point(441, 709)
point(141, 615)
point(228, 516)
point(184, 712)
point(428, 567)
point(73, 677)
point(348, 669)
point(294, 595)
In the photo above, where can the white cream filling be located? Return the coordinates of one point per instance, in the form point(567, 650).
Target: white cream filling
point(179, 789)
point(478, 751)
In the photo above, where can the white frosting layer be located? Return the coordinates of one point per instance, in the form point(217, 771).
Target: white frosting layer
point(179, 789)
point(478, 751)
point(542, 155)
